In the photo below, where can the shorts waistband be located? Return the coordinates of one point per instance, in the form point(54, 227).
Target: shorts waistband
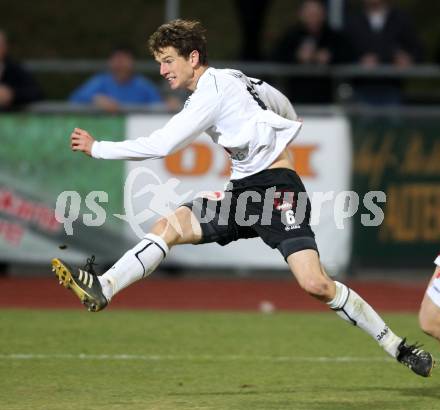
point(262, 178)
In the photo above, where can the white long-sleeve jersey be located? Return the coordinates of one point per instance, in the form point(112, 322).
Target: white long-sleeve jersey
point(249, 118)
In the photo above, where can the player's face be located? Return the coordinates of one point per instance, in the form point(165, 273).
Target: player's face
point(177, 70)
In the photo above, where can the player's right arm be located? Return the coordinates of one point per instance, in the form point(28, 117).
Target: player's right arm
point(199, 114)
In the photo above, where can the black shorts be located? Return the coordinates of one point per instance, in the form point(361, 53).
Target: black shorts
point(272, 204)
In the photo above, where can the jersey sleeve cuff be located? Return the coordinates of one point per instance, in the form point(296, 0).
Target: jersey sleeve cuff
point(95, 150)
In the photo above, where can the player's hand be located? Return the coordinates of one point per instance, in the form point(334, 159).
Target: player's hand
point(81, 140)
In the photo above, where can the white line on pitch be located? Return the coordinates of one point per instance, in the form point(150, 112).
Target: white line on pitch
point(81, 356)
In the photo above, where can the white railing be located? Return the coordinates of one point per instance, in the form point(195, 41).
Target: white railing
point(250, 68)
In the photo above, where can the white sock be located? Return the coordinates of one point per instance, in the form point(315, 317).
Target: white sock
point(351, 307)
point(135, 264)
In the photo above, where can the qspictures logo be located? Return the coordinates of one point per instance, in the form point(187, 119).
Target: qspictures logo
point(158, 199)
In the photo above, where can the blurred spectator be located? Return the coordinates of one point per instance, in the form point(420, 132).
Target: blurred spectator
point(381, 34)
point(120, 85)
point(252, 14)
point(310, 42)
point(17, 86)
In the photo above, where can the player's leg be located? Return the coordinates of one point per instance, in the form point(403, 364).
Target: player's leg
point(307, 269)
point(348, 305)
point(140, 261)
point(286, 226)
point(429, 314)
point(289, 231)
point(180, 227)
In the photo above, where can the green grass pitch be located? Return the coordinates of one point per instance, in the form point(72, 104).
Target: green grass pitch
point(141, 360)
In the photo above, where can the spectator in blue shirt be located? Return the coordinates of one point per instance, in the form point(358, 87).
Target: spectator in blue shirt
point(120, 85)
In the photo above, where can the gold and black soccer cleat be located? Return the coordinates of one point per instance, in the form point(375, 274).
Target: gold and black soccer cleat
point(84, 283)
point(417, 359)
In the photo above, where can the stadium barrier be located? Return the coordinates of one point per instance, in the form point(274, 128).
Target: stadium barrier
point(250, 68)
point(340, 76)
point(398, 154)
point(36, 165)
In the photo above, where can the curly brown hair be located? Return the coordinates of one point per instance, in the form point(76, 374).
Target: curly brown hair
point(184, 35)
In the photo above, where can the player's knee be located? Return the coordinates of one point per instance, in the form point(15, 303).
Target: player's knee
point(318, 288)
point(160, 226)
point(163, 228)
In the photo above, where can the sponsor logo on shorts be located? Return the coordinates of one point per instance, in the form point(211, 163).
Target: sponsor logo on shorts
point(284, 207)
point(284, 200)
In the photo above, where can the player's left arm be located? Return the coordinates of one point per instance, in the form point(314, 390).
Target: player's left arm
point(274, 99)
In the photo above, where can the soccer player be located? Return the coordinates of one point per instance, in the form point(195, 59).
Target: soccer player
point(429, 314)
point(254, 123)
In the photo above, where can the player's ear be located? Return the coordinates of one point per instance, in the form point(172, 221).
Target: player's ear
point(194, 58)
